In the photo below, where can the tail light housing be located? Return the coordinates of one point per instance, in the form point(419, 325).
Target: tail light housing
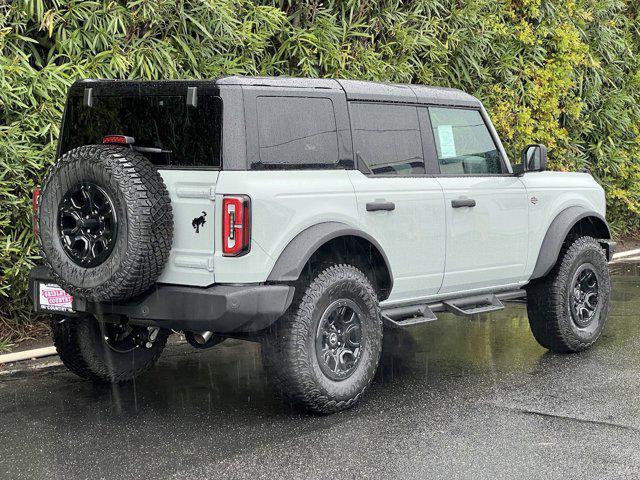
point(118, 140)
point(35, 200)
point(236, 225)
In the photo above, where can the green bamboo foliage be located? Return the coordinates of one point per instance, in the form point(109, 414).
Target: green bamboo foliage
point(561, 72)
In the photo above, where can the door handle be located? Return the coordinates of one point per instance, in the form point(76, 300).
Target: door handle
point(375, 206)
point(463, 202)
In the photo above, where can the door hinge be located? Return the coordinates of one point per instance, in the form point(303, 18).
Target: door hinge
point(194, 192)
point(194, 262)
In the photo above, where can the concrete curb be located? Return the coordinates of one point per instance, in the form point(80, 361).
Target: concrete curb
point(28, 355)
point(628, 253)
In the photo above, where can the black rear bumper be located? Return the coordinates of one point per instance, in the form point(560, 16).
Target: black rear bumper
point(220, 308)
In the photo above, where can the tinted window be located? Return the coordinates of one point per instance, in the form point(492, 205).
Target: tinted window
point(172, 133)
point(296, 132)
point(386, 139)
point(463, 142)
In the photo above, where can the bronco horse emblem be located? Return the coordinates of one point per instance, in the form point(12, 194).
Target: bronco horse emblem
point(199, 221)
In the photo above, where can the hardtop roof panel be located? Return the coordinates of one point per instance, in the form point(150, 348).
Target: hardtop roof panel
point(381, 92)
point(444, 96)
point(394, 92)
point(286, 82)
point(354, 89)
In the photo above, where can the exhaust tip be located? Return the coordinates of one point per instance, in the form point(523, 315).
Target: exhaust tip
point(202, 337)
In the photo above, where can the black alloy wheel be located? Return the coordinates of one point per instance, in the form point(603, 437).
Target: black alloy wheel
point(584, 297)
point(323, 353)
point(105, 223)
point(87, 224)
point(339, 339)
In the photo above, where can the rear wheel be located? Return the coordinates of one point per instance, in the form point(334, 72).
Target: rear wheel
point(568, 308)
point(107, 352)
point(324, 352)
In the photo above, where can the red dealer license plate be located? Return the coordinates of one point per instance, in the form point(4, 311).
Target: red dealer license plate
point(52, 298)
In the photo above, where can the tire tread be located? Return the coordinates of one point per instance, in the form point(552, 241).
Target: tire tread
point(149, 217)
point(286, 345)
point(547, 302)
point(70, 335)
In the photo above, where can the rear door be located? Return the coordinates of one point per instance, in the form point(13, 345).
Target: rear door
point(399, 204)
point(486, 206)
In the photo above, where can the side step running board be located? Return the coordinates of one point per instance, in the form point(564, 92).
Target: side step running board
point(474, 305)
point(401, 317)
point(405, 316)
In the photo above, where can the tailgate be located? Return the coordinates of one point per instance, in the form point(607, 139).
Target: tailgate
point(192, 200)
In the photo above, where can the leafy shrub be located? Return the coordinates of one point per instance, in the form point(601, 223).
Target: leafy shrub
point(560, 72)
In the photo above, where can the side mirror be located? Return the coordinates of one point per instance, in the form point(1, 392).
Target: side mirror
point(534, 158)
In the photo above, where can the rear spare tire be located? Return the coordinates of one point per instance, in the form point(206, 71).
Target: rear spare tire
point(105, 222)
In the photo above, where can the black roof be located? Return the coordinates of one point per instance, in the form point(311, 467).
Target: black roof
point(354, 89)
point(363, 90)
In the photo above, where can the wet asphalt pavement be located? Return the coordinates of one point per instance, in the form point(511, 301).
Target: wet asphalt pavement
point(452, 399)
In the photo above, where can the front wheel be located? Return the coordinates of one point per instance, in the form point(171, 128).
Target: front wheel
point(107, 352)
point(324, 352)
point(568, 308)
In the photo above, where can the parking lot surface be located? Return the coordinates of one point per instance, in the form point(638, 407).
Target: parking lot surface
point(456, 398)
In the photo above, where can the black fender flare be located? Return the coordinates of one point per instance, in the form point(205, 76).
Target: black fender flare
point(295, 255)
point(557, 233)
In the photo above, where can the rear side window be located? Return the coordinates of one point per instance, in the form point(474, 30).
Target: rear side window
point(296, 133)
point(386, 139)
point(165, 128)
point(463, 142)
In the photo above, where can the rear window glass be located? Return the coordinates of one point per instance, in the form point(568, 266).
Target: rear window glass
point(296, 133)
point(165, 128)
point(387, 139)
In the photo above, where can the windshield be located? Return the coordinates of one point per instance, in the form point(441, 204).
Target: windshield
point(166, 130)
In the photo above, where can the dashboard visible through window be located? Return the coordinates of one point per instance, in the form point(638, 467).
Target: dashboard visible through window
point(463, 142)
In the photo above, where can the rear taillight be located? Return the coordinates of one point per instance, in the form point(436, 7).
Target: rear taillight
point(36, 199)
point(236, 225)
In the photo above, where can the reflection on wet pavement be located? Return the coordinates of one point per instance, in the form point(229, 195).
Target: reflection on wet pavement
point(455, 398)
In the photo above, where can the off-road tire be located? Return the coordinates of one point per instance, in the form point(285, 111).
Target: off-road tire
point(81, 346)
point(290, 348)
point(548, 303)
point(145, 222)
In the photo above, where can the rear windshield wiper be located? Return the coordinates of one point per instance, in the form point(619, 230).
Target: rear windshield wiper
point(150, 149)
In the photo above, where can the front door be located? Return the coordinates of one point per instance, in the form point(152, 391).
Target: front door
point(486, 207)
point(486, 232)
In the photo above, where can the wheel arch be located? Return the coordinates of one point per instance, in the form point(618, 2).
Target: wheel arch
point(572, 219)
point(313, 240)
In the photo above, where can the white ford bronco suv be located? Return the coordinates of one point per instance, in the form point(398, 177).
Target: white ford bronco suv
point(306, 214)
